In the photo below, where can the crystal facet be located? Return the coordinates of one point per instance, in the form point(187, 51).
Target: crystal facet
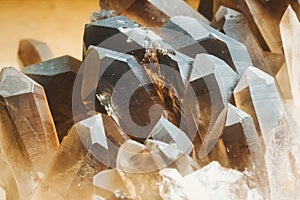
point(90, 147)
point(57, 76)
point(204, 39)
point(33, 51)
point(27, 133)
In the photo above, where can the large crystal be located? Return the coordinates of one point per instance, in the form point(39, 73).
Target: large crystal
point(236, 26)
point(213, 85)
point(33, 51)
point(257, 95)
point(203, 40)
point(151, 13)
point(57, 76)
point(113, 33)
point(90, 147)
point(243, 147)
point(211, 182)
point(27, 133)
point(263, 19)
point(290, 33)
point(123, 88)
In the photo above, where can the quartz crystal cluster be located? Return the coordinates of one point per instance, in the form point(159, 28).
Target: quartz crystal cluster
point(168, 102)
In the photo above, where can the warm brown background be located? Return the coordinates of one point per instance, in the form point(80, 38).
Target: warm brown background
point(59, 23)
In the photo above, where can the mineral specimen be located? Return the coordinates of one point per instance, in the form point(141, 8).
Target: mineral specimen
point(57, 76)
point(151, 13)
point(27, 133)
point(90, 147)
point(33, 51)
point(257, 95)
point(290, 33)
point(205, 38)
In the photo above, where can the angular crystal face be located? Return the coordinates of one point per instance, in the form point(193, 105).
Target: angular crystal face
point(57, 76)
point(27, 124)
point(257, 95)
point(290, 28)
point(33, 51)
point(233, 21)
point(266, 31)
point(203, 40)
point(213, 85)
point(152, 13)
point(90, 147)
point(113, 33)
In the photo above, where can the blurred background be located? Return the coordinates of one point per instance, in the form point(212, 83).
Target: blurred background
point(59, 23)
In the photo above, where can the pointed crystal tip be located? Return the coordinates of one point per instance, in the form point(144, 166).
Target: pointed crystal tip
point(13, 82)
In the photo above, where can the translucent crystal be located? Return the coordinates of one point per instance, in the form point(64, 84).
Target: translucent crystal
point(108, 184)
point(33, 51)
point(243, 146)
point(167, 132)
point(257, 95)
point(139, 164)
point(90, 147)
point(27, 133)
point(151, 13)
point(205, 38)
point(57, 76)
point(236, 26)
point(290, 33)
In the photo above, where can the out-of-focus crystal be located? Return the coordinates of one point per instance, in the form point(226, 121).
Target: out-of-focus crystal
point(290, 34)
point(243, 147)
point(108, 184)
point(2, 194)
point(33, 51)
point(27, 133)
point(57, 76)
point(203, 39)
point(151, 13)
point(90, 147)
point(257, 95)
point(210, 182)
point(283, 82)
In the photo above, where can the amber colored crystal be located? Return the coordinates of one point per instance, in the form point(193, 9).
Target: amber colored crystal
point(28, 137)
point(90, 147)
point(57, 76)
point(33, 51)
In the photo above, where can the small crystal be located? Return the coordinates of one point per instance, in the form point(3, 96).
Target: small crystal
point(33, 51)
point(166, 132)
point(57, 76)
point(27, 133)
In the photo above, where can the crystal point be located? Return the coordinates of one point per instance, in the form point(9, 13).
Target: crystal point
point(57, 76)
point(27, 124)
point(33, 51)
